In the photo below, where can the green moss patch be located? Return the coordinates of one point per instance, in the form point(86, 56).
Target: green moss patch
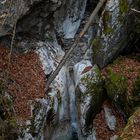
point(8, 124)
point(106, 18)
point(122, 82)
point(116, 86)
point(123, 5)
point(95, 87)
point(123, 9)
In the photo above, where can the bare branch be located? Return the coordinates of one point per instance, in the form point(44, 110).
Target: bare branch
point(135, 10)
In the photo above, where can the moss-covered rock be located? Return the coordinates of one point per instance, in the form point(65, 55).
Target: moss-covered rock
point(116, 86)
point(106, 27)
point(8, 123)
point(94, 87)
point(132, 129)
point(89, 94)
point(114, 32)
point(135, 97)
point(123, 6)
point(122, 84)
point(40, 114)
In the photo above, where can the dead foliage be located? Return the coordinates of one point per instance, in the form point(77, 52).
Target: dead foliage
point(25, 81)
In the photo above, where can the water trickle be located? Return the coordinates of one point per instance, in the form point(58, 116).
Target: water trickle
point(72, 104)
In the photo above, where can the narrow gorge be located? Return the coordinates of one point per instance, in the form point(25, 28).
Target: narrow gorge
point(96, 94)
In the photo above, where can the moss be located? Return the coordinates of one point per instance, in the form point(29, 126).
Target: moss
point(135, 97)
point(95, 87)
point(136, 89)
point(131, 129)
point(123, 6)
point(137, 28)
point(96, 42)
point(116, 86)
point(97, 79)
point(118, 60)
point(115, 83)
point(107, 30)
point(96, 46)
point(123, 9)
point(59, 97)
point(106, 18)
point(8, 124)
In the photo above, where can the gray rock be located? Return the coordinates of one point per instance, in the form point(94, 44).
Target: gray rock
point(110, 119)
point(115, 137)
point(28, 13)
point(33, 16)
point(89, 94)
point(112, 37)
point(68, 18)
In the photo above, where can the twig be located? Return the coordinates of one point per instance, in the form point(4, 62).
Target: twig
point(135, 10)
point(64, 59)
point(11, 48)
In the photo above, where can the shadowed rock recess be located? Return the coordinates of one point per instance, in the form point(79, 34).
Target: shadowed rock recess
point(96, 94)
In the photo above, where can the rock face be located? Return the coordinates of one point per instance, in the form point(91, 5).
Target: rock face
point(113, 32)
point(90, 96)
point(27, 12)
point(37, 15)
point(48, 112)
point(10, 12)
point(68, 18)
point(110, 119)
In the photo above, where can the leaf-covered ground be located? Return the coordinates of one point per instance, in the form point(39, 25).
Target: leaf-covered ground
point(25, 80)
point(102, 130)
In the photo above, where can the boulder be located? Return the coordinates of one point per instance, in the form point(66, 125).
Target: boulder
point(89, 93)
point(113, 34)
point(122, 84)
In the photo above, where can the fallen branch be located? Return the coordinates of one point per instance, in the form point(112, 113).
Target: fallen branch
point(90, 21)
point(135, 10)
